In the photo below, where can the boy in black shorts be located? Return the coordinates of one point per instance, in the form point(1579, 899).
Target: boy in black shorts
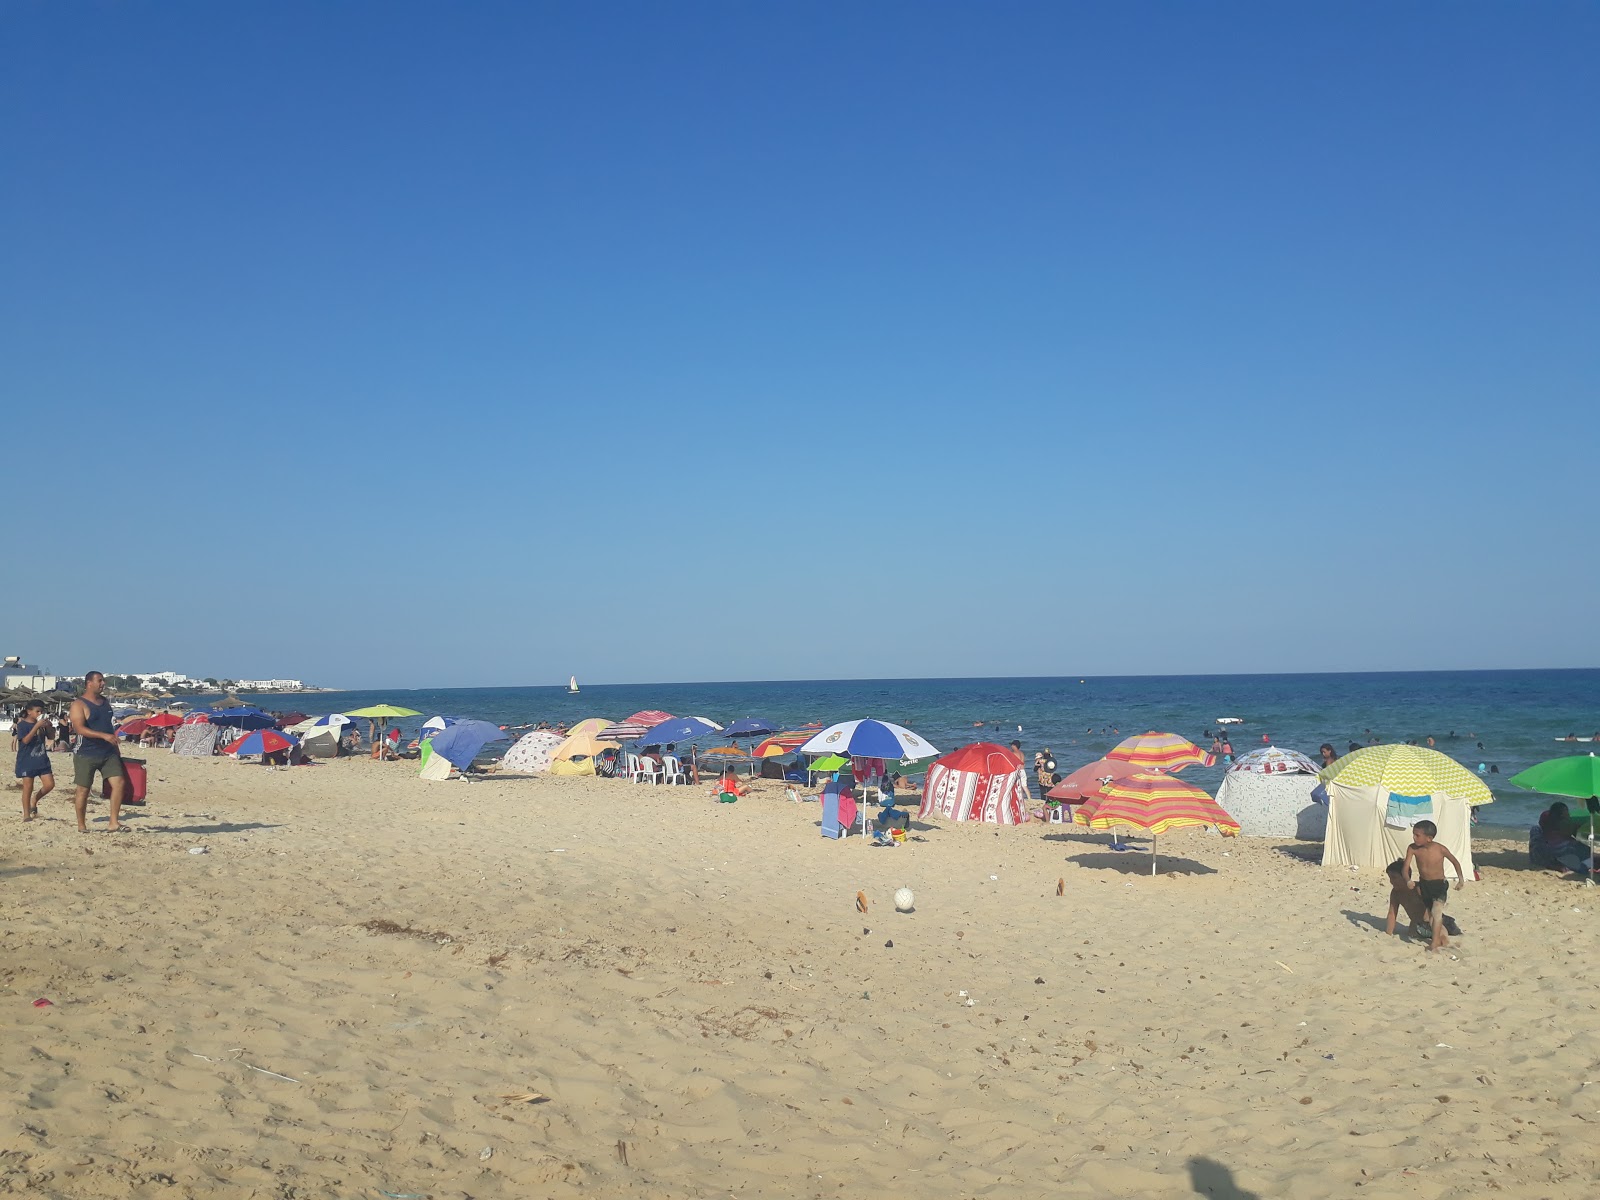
point(1432, 887)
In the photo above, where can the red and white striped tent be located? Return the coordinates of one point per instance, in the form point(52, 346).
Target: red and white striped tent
point(981, 782)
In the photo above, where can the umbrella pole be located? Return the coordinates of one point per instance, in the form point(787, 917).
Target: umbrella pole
point(1152, 856)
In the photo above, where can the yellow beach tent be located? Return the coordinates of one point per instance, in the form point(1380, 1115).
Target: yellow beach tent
point(1377, 793)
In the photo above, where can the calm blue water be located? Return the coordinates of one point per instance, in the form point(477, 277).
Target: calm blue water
point(1514, 714)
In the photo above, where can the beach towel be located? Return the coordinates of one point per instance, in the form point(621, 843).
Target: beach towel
point(830, 812)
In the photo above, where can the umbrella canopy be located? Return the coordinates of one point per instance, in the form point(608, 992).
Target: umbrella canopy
point(164, 721)
point(868, 739)
point(679, 729)
point(460, 743)
point(1155, 803)
point(830, 762)
point(725, 756)
point(532, 751)
point(376, 711)
point(1272, 760)
point(1086, 781)
point(1152, 802)
point(589, 725)
point(229, 701)
point(785, 743)
point(290, 718)
point(262, 741)
point(200, 716)
point(632, 728)
point(440, 722)
point(1160, 752)
point(243, 717)
point(333, 722)
point(1576, 775)
point(982, 782)
point(133, 728)
point(1407, 771)
point(583, 745)
point(750, 727)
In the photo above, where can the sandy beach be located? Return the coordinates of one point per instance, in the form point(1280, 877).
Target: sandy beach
point(546, 987)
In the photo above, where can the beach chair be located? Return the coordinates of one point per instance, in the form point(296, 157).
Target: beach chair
point(672, 770)
point(647, 772)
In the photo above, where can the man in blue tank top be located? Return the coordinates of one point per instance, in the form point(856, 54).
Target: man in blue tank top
point(97, 750)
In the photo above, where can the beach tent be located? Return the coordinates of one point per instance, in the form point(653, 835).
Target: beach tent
point(321, 743)
point(436, 768)
point(981, 782)
point(1268, 791)
point(1377, 793)
point(463, 741)
point(196, 740)
point(576, 755)
point(532, 752)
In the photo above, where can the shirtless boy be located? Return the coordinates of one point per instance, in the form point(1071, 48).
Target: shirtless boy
point(1404, 897)
point(1432, 886)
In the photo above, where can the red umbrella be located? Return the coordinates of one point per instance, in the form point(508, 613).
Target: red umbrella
point(1086, 781)
point(787, 742)
point(164, 721)
point(133, 728)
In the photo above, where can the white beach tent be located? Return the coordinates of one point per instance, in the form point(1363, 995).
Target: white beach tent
point(1377, 793)
point(1268, 791)
point(534, 751)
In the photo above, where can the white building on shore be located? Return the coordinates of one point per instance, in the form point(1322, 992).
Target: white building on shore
point(14, 673)
point(268, 685)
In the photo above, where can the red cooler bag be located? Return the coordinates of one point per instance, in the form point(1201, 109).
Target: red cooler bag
point(138, 780)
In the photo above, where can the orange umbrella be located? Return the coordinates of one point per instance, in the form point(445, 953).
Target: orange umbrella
point(1160, 752)
point(1155, 803)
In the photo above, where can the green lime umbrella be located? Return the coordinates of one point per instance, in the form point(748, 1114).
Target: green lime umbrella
point(1576, 775)
point(829, 762)
point(382, 710)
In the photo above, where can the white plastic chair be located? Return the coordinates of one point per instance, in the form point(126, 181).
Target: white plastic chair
point(647, 772)
point(630, 767)
point(672, 770)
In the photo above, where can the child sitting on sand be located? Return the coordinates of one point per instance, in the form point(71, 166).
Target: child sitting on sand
point(1404, 895)
point(1432, 886)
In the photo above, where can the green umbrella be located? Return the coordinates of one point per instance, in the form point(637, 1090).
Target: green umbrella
point(1576, 775)
point(829, 762)
point(382, 710)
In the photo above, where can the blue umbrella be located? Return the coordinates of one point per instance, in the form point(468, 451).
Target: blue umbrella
point(750, 727)
point(243, 718)
point(459, 744)
point(679, 729)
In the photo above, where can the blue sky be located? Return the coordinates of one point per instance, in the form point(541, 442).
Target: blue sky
point(339, 341)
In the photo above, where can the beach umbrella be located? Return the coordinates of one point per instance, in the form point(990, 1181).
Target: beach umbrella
point(1160, 752)
point(334, 720)
point(460, 743)
point(1577, 775)
point(1154, 803)
point(829, 762)
point(291, 718)
point(1407, 771)
point(1273, 760)
point(589, 726)
point(164, 721)
point(632, 728)
point(262, 741)
point(787, 742)
point(750, 727)
point(382, 712)
point(679, 729)
point(869, 739)
point(200, 716)
point(133, 728)
point(532, 751)
point(1087, 780)
point(982, 782)
point(440, 722)
point(243, 717)
point(230, 701)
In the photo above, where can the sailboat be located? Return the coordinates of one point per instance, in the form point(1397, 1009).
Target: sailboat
point(572, 685)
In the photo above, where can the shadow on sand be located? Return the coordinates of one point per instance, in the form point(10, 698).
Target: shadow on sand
point(1137, 862)
point(219, 827)
point(1210, 1178)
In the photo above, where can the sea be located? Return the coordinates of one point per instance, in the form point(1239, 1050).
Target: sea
point(1495, 723)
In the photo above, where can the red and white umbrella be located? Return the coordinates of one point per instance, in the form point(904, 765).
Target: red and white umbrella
point(982, 782)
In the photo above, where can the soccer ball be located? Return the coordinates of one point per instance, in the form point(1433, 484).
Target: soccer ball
point(904, 901)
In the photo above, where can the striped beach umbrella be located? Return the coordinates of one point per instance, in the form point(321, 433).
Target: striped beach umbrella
point(786, 742)
point(1407, 771)
point(1160, 752)
point(640, 723)
point(1087, 780)
point(1154, 803)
